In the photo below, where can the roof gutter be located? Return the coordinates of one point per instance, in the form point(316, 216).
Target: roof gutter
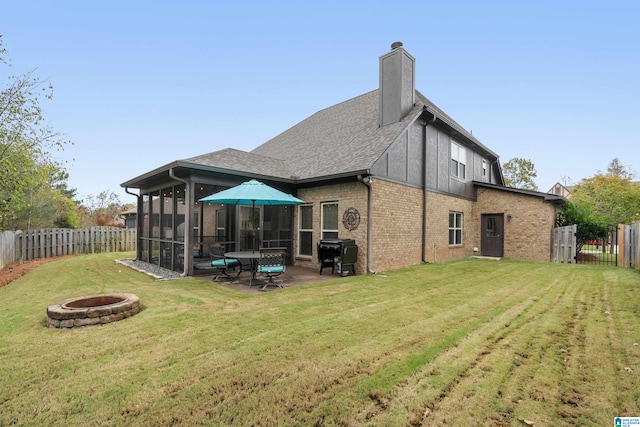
point(332, 177)
point(187, 224)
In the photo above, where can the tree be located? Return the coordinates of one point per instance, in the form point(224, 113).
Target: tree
point(588, 226)
point(26, 142)
point(45, 208)
point(610, 197)
point(101, 209)
point(616, 168)
point(60, 182)
point(519, 173)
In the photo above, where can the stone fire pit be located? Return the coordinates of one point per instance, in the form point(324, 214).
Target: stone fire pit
point(92, 310)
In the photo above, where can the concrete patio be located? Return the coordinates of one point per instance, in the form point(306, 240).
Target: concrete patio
point(294, 276)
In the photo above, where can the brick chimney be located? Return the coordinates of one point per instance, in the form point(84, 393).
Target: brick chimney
point(397, 84)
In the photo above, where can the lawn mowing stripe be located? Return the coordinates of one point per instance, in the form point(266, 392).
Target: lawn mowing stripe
point(383, 380)
point(500, 370)
point(212, 357)
point(464, 358)
point(382, 397)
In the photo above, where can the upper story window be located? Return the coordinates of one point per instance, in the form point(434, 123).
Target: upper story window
point(329, 220)
point(485, 170)
point(458, 161)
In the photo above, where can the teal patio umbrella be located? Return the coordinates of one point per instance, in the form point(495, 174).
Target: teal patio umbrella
point(252, 193)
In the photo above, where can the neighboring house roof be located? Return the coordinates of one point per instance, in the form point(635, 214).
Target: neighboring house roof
point(129, 212)
point(562, 190)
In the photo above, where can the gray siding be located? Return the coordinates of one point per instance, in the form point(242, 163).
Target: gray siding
point(403, 161)
point(397, 155)
point(443, 157)
point(431, 168)
point(381, 167)
point(406, 161)
point(415, 155)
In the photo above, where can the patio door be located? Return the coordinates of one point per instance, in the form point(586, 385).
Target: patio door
point(249, 227)
point(492, 237)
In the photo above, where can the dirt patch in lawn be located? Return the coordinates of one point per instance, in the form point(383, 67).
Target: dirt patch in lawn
point(15, 270)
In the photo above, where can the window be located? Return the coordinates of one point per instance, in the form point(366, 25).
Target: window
point(492, 227)
point(330, 220)
point(455, 228)
point(485, 170)
point(305, 229)
point(458, 161)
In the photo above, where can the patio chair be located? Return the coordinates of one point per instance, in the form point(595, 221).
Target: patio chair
point(223, 264)
point(270, 265)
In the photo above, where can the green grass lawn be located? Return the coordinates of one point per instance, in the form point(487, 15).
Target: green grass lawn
point(471, 342)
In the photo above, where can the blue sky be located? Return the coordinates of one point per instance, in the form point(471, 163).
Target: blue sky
point(138, 84)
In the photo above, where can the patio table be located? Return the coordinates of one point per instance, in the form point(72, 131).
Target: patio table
point(253, 257)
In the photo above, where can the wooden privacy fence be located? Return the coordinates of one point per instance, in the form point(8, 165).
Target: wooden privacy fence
point(627, 248)
point(52, 242)
point(564, 244)
point(7, 248)
point(631, 250)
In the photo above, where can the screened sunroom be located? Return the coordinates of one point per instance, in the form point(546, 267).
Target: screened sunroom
point(177, 231)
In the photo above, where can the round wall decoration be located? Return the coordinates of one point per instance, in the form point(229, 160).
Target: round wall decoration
point(351, 219)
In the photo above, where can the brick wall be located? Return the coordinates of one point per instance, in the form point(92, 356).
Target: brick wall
point(396, 225)
point(528, 234)
point(349, 195)
point(437, 246)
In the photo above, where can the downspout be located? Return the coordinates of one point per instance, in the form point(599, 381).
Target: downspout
point(367, 181)
point(187, 224)
point(424, 191)
point(138, 222)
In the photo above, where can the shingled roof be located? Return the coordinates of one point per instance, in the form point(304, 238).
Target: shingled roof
point(339, 140)
point(342, 140)
point(231, 159)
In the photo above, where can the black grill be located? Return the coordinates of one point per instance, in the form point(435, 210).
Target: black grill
point(344, 252)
